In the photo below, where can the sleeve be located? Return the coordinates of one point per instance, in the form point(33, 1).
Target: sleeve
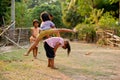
point(52, 25)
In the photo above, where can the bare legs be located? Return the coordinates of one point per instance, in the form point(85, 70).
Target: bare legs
point(43, 34)
point(32, 47)
point(35, 52)
point(51, 63)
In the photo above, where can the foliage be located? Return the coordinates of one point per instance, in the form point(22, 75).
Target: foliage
point(20, 14)
point(84, 7)
point(5, 11)
point(27, 10)
point(93, 13)
point(107, 21)
point(109, 7)
point(71, 17)
point(94, 16)
point(33, 3)
point(113, 1)
point(87, 32)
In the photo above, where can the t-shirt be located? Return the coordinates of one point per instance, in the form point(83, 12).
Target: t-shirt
point(46, 25)
point(53, 40)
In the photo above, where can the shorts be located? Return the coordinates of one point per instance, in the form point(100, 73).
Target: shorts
point(46, 32)
point(49, 51)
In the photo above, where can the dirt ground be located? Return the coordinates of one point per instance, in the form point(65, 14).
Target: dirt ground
point(86, 62)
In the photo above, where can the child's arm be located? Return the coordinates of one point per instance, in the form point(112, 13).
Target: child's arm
point(52, 26)
point(56, 46)
point(43, 34)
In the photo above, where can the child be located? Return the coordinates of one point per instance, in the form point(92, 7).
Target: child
point(35, 31)
point(51, 45)
point(46, 22)
point(47, 28)
point(42, 34)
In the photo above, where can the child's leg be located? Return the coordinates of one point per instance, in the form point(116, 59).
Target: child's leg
point(33, 46)
point(34, 52)
point(49, 62)
point(43, 34)
point(52, 63)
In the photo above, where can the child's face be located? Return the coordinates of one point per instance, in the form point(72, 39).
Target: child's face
point(36, 24)
point(64, 47)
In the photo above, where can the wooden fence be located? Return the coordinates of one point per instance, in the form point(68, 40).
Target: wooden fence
point(19, 36)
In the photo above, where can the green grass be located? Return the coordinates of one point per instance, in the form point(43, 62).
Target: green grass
point(14, 55)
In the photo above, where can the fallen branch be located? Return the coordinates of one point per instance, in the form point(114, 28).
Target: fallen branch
point(13, 42)
point(114, 36)
point(114, 44)
point(7, 28)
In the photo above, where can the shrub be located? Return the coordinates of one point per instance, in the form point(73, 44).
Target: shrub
point(107, 21)
point(87, 32)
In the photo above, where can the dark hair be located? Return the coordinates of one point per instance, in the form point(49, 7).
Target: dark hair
point(35, 20)
point(45, 16)
point(67, 46)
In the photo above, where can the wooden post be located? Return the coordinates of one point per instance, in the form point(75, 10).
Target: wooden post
point(12, 28)
point(13, 12)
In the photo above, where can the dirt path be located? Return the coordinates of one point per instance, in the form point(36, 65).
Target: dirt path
point(86, 62)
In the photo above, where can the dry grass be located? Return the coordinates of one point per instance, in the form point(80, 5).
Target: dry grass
point(100, 64)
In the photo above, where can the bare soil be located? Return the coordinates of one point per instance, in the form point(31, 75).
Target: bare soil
point(86, 62)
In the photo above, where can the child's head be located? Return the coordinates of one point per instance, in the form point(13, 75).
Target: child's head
point(44, 16)
point(67, 46)
point(35, 23)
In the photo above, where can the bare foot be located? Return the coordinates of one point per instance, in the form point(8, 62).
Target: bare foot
point(25, 54)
